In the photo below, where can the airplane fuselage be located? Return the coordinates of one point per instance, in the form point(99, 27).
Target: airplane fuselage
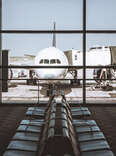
point(51, 57)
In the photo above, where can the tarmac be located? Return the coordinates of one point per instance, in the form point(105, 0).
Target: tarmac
point(30, 93)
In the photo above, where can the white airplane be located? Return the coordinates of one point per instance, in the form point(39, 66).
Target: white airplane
point(51, 56)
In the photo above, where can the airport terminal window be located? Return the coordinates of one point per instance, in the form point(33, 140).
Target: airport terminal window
point(75, 57)
point(94, 48)
point(82, 31)
point(99, 47)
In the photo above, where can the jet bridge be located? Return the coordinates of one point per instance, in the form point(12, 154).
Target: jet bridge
point(113, 55)
point(103, 76)
point(72, 60)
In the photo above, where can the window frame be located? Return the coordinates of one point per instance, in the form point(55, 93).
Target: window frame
point(84, 32)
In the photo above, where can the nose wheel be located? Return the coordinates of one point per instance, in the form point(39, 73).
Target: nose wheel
point(50, 89)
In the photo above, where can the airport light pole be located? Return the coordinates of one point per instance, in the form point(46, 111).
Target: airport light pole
point(0, 51)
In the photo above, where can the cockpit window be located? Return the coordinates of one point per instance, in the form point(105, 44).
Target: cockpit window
point(46, 61)
point(58, 61)
point(53, 61)
point(41, 61)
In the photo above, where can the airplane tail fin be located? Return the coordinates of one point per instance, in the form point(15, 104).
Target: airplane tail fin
point(54, 36)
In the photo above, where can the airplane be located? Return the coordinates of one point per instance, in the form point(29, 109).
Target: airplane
point(51, 56)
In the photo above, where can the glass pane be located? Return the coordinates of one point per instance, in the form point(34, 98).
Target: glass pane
point(34, 14)
point(99, 40)
point(101, 14)
point(24, 44)
point(101, 51)
point(22, 51)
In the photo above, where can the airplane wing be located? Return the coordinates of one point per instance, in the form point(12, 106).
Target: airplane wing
point(31, 56)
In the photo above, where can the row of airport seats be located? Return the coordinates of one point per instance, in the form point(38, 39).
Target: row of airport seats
point(58, 130)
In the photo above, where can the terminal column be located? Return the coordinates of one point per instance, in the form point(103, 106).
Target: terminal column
point(0, 52)
point(5, 70)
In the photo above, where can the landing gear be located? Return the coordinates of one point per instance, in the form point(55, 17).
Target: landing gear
point(49, 90)
point(32, 80)
point(75, 81)
point(101, 77)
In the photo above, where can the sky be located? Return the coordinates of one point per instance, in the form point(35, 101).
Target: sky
point(40, 14)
